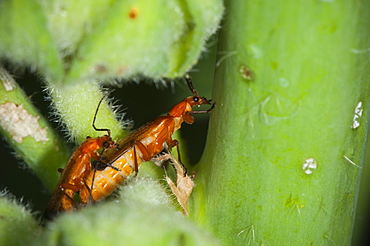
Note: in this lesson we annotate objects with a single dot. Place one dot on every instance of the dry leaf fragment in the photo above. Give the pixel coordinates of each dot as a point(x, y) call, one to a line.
point(184, 183)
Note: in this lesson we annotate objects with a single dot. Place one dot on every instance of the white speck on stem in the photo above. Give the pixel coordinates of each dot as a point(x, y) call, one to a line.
point(357, 115)
point(309, 165)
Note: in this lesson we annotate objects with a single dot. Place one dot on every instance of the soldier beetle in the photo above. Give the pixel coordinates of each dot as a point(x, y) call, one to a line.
point(78, 168)
point(141, 145)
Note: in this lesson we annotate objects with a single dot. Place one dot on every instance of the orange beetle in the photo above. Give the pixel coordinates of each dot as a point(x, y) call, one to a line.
point(78, 168)
point(140, 146)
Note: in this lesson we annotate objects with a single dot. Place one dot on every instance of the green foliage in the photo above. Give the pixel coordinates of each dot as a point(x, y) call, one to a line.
point(142, 215)
point(286, 143)
point(26, 40)
point(99, 40)
point(16, 220)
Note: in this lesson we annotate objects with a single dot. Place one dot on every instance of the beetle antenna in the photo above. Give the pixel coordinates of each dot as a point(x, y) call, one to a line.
point(96, 113)
point(190, 84)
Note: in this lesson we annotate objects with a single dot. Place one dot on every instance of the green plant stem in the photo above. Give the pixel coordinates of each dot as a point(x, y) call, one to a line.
point(309, 63)
point(76, 105)
point(29, 133)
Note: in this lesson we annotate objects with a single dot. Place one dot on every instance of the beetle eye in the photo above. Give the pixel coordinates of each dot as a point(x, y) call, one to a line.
point(196, 99)
point(106, 144)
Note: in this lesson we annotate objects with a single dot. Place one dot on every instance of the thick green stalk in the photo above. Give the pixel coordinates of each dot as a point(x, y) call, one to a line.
point(305, 103)
point(107, 40)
